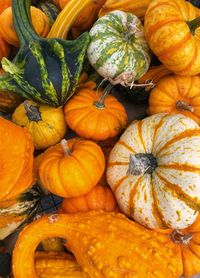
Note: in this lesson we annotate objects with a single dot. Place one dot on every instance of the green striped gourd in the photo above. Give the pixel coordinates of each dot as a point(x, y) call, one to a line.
point(50, 10)
point(45, 70)
point(16, 211)
point(118, 50)
point(154, 171)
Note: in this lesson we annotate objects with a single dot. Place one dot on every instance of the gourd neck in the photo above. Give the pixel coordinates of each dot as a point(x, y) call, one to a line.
point(100, 103)
point(194, 24)
point(182, 105)
point(22, 21)
point(65, 147)
point(180, 238)
point(32, 112)
point(142, 163)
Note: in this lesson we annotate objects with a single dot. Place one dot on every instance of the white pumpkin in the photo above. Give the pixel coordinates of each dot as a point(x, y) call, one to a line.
point(154, 171)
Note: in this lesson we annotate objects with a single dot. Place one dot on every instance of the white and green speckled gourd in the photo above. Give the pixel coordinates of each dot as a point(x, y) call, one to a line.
point(118, 50)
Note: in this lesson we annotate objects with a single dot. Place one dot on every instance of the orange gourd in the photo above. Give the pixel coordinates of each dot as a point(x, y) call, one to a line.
point(171, 30)
point(4, 49)
point(40, 23)
point(16, 164)
point(176, 94)
point(105, 244)
point(106, 116)
point(98, 198)
point(71, 168)
point(5, 4)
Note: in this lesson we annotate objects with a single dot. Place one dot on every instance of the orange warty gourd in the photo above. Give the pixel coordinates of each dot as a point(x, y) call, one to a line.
point(98, 198)
point(16, 164)
point(106, 115)
point(176, 94)
point(71, 168)
point(171, 29)
point(39, 20)
point(104, 245)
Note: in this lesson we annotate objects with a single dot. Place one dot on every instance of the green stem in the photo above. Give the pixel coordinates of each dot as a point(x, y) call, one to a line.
point(100, 102)
point(22, 21)
point(194, 24)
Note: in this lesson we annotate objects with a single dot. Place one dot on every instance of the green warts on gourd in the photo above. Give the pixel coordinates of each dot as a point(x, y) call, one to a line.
point(118, 50)
point(45, 70)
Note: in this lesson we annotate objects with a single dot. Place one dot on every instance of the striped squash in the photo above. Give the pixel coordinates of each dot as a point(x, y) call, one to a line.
point(118, 50)
point(154, 171)
point(16, 211)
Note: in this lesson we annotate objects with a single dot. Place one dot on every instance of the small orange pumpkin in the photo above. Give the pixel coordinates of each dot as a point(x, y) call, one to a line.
point(99, 198)
point(16, 163)
point(40, 22)
point(106, 116)
point(71, 168)
point(176, 94)
point(4, 49)
point(5, 4)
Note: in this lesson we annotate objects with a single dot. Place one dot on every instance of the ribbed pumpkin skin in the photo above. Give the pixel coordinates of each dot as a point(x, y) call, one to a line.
point(46, 124)
point(40, 23)
point(14, 212)
point(73, 174)
point(16, 164)
point(173, 90)
point(169, 196)
point(104, 245)
point(5, 4)
point(4, 49)
point(118, 47)
point(170, 38)
point(106, 120)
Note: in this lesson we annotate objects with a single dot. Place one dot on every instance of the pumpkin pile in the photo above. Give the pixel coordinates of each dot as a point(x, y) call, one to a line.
point(129, 185)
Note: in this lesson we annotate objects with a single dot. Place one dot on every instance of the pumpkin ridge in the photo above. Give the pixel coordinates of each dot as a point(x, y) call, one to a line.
point(191, 61)
point(132, 194)
point(139, 127)
point(75, 124)
point(122, 143)
point(180, 167)
point(158, 5)
point(157, 127)
point(183, 135)
point(181, 195)
point(117, 163)
point(116, 118)
point(119, 182)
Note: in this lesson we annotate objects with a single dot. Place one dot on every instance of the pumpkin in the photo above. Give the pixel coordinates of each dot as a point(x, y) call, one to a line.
point(136, 7)
point(98, 198)
point(71, 168)
point(4, 49)
point(118, 50)
point(8, 99)
point(153, 171)
point(46, 124)
point(40, 70)
point(14, 212)
point(39, 19)
point(176, 94)
point(171, 29)
point(105, 244)
point(5, 4)
point(16, 164)
point(88, 15)
point(56, 264)
point(106, 115)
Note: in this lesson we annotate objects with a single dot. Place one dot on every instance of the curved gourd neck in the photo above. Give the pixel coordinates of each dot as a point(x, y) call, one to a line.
point(22, 21)
point(194, 24)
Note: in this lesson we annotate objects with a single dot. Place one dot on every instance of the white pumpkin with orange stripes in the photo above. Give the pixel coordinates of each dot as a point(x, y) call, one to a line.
point(154, 171)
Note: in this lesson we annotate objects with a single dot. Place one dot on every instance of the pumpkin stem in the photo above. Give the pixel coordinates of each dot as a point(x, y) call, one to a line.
point(65, 147)
point(100, 103)
point(182, 105)
point(32, 112)
point(141, 163)
point(194, 24)
point(178, 237)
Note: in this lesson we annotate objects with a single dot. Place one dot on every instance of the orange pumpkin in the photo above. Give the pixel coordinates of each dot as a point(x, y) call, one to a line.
point(40, 22)
point(16, 163)
point(176, 94)
point(4, 49)
point(171, 30)
point(99, 198)
point(71, 168)
point(5, 4)
point(106, 116)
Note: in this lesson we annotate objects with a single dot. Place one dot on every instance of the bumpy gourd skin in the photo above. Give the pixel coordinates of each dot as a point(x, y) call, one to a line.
point(104, 244)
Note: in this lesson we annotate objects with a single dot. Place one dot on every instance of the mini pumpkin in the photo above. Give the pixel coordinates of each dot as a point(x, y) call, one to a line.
point(5, 4)
point(4, 49)
point(98, 198)
point(46, 124)
point(171, 29)
point(176, 94)
point(16, 163)
point(106, 116)
point(154, 171)
point(40, 23)
point(71, 168)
